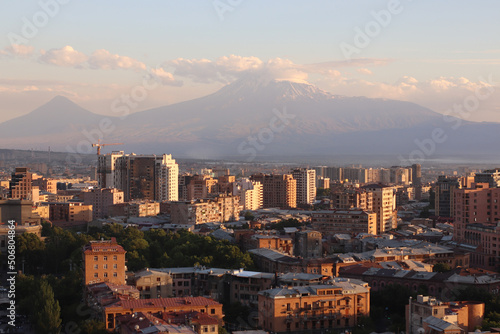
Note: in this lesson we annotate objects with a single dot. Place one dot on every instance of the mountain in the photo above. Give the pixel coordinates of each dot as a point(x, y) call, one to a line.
point(254, 118)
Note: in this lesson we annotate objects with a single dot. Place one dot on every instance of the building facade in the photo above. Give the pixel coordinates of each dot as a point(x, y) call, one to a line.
point(104, 261)
point(314, 308)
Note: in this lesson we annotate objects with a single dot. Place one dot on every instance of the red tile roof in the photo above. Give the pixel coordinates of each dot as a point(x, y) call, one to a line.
point(178, 302)
point(108, 246)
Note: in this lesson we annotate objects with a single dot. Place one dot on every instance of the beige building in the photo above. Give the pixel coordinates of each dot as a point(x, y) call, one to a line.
point(152, 283)
point(384, 205)
point(21, 185)
point(461, 316)
point(222, 208)
point(250, 193)
point(44, 184)
point(337, 306)
point(350, 222)
point(101, 200)
point(306, 185)
point(135, 209)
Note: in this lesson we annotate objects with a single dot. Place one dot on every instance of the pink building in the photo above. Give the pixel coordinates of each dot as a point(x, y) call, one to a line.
point(477, 215)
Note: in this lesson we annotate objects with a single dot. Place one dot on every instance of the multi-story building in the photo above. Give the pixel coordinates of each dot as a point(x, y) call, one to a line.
point(21, 185)
point(250, 193)
point(225, 184)
point(466, 315)
point(306, 185)
point(107, 177)
point(222, 208)
point(334, 306)
point(384, 205)
point(476, 218)
point(335, 174)
point(152, 283)
point(350, 222)
point(323, 182)
point(351, 197)
point(416, 176)
point(491, 176)
point(201, 186)
point(70, 212)
point(445, 192)
point(25, 220)
point(279, 191)
point(101, 200)
point(104, 261)
point(358, 175)
point(147, 177)
point(135, 209)
point(308, 244)
point(44, 184)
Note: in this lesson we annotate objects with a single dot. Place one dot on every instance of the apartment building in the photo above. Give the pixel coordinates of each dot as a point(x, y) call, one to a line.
point(104, 261)
point(335, 306)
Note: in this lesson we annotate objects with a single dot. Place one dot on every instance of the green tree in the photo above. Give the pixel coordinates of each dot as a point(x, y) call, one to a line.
point(47, 315)
point(441, 267)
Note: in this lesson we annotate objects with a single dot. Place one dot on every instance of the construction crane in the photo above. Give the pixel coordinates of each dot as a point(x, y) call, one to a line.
point(99, 146)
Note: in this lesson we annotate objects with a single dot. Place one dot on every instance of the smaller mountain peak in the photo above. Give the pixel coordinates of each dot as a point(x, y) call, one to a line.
point(60, 99)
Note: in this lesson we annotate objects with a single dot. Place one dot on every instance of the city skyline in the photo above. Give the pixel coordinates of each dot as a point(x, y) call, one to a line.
point(433, 54)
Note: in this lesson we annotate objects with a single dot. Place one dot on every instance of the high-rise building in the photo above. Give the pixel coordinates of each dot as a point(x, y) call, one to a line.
point(384, 205)
point(147, 177)
point(306, 185)
point(279, 191)
point(106, 166)
point(250, 192)
point(416, 177)
point(334, 173)
point(445, 192)
point(476, 217)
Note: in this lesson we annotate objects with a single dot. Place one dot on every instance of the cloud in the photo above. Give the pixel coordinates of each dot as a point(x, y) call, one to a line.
point(100, 59)
point(164, 77)
point(66, 57)
point(364, 71)
point(18, 50)
point(229, 68)
point(105, 60)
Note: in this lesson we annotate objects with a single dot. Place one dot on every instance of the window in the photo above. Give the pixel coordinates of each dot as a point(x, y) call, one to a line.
point(105, 258)
point(96, 275)
point(213, 329)
point(115, 266)
point(105, 274)
point(115, 274)
point(212, 311)
point(96, 266)
point(105, 266)
point(115, 258)
point(95, 258)
point(158, 279)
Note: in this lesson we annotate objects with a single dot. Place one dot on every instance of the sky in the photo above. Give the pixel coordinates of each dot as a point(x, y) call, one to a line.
point(438, 54)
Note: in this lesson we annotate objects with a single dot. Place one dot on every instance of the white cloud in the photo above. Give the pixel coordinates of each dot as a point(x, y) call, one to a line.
point(18, 50)
point(164, 77)
point(66, 57)
point(364, 71)
point(229, 68)
point(105, 60)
